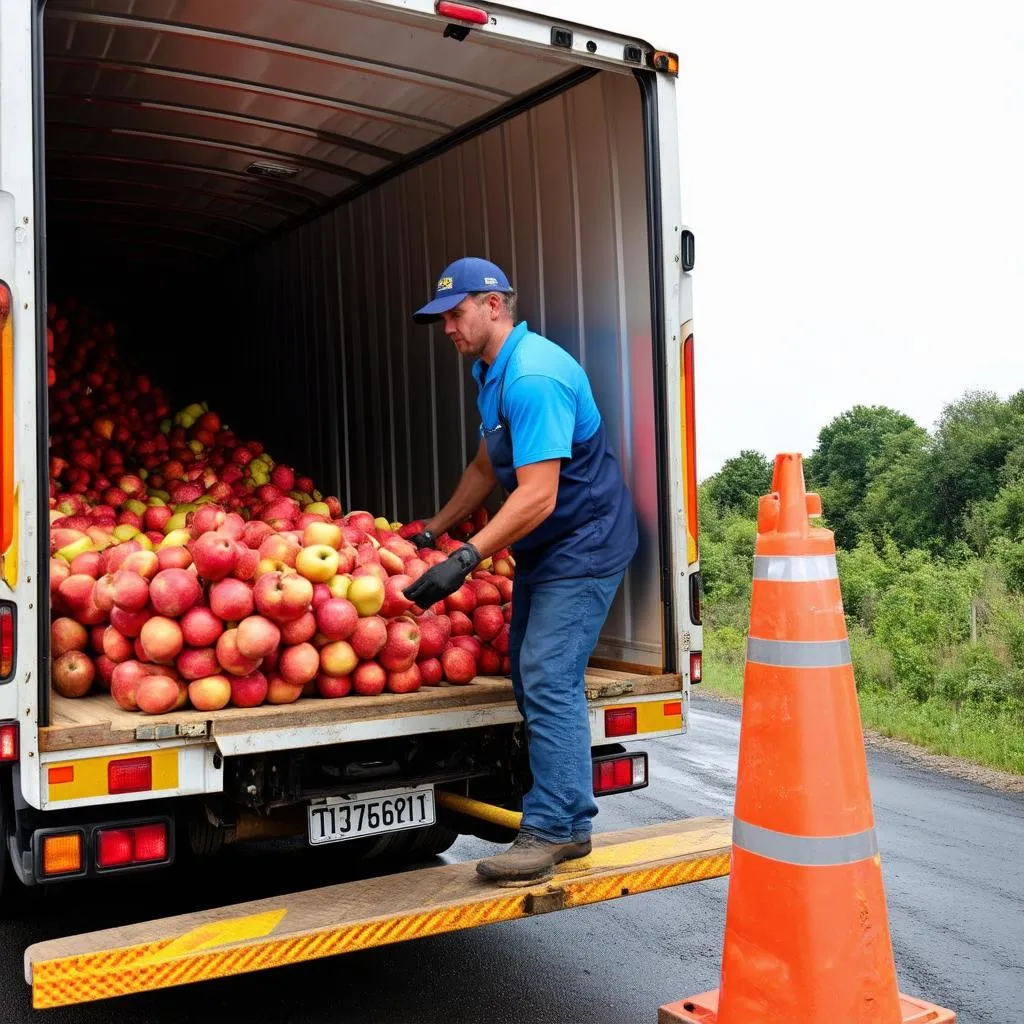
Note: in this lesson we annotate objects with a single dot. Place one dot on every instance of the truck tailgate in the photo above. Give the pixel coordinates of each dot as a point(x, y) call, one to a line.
point(96, 721)
point(359, 915)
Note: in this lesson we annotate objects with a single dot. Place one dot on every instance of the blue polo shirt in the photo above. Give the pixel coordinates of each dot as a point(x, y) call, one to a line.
point(547, 398)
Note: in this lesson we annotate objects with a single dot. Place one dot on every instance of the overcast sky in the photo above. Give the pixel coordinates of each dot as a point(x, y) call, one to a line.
point(854, 176)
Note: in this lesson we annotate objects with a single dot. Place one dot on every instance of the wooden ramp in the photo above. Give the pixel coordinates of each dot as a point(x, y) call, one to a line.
point(360, 915)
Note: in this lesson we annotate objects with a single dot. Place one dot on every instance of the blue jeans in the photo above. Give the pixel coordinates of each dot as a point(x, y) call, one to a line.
point(555, 626)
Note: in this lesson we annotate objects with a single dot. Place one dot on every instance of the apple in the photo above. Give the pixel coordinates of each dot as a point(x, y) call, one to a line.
point(117, 556)
point(488, 620)
point(486, 592)
point(210, 693)
point(197, 662)
point(317, 563)
point(283, 597)
point(257, 636)
point(369, 679)
point(177, 538)
point(200, 627)
point(72, 674)
point(500, 642)
point(233, 527)
point(369, 636)
point(255, 533)
point(161, 639)
point(504, 585)
point(433, 637)
point(129, 590)
point(338, 659)
point(215, 556)
point(173, 591)
point(67, 635)
point(280, 549)
point(391, 563)
point(367, 594)
point(96, 638)
point(504, 567)
point(333, 686)
point(105, 671)
point(461, 624)
point(88, 562)
point(458, 665)
point(248, 691)
point(280, 691)
point(321, 533)
point(337, 618)
point(123, 682)
point(402, 645)
point(467, 643)
point(395, 601)
point(299, 664)
point(145, 563)
point(116, 646)
point(155, 517)
point(130, 623)
point(489, 662)
point(231, 658)
point(231, 600)
point(248, 562)
point(338, 585)
point(156, 695)
point(463, 600)
point(59, 571)
point(431, 672)
point(415, 568)
point(299, 630)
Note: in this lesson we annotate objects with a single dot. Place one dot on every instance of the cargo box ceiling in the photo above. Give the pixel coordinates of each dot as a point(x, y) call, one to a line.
point(190, 128)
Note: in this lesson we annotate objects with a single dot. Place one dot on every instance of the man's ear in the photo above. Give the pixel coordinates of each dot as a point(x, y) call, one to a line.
point(494, 301)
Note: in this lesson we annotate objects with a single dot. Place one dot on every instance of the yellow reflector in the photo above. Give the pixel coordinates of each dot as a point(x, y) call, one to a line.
point(62, 855)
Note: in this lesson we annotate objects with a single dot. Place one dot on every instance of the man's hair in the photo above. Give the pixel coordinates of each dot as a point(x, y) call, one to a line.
point(508, 301)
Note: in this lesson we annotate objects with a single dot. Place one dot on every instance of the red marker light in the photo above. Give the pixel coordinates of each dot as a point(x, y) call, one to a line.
point(461, 12)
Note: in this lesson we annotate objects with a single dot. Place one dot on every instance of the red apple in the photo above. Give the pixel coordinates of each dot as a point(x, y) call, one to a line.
point(197, 662)
point(486, 592)
point(156, 695)
point(105, 671)
point(299, 630)
point(67, 635)
point(116, 646)
point(210, 693)
point(257, 636)
point(248, 691)
point(215, 556)
point(72, 674)
point(145, 563)
point(123, 682)
point(161, 639)
point(280, 691)
point(231, 658)
point(173, 558)
point(487, 621)
point(255, 533)
point(173, 591)
point(467, 643)
point(231, 599)
point(458, 665)
point(402, 646)
point(500, 642)
point(333, 686)
point(299, 664)
point(130, 623)
point(489, 662)
point(130, 591)
point(405, 681)
point(369, 636)
point(88, 563)
point(395, 602)
point(461, 624)
point(431, 672)
point(248, 561)
point(337, 618)
point(283, 597)
point(369, 679)
point(463, 600)
point(200, 627)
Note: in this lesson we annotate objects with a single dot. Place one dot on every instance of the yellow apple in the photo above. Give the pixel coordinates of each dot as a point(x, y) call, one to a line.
point(318, 562)
point(322, 533)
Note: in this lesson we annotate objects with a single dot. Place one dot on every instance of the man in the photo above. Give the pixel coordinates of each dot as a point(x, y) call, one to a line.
point(571, 524)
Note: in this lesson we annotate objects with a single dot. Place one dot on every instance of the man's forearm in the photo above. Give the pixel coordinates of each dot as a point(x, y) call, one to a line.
point(522, 513)
point(473, 489)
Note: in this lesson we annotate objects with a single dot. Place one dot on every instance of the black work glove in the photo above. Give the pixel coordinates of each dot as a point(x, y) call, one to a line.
point(444, 579)
point(423, 539)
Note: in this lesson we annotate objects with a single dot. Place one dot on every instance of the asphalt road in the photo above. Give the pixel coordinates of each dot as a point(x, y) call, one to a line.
point(953, 856)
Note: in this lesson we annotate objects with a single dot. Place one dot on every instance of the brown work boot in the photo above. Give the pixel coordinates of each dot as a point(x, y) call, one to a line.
point(530, 858)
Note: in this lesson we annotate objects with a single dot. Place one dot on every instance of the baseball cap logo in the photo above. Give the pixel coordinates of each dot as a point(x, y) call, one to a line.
point(445, 284)
point(490, 280)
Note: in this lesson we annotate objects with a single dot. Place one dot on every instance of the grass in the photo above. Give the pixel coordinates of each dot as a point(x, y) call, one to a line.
point(986, 734)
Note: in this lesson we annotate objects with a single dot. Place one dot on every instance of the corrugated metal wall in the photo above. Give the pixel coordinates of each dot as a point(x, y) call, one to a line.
point(383, 411)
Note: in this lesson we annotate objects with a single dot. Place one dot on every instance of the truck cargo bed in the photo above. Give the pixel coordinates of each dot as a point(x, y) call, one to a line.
point(97, 721)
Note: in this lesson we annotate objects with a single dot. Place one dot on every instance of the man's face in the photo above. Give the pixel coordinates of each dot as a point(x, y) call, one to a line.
point(469, 325)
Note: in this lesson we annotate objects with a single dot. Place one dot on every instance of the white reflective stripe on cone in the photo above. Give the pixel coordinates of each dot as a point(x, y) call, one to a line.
point(806, 851)
point(795, 568)
point(799, 653)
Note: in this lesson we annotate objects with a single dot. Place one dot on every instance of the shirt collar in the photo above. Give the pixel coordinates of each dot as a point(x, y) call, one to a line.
point(480, 369)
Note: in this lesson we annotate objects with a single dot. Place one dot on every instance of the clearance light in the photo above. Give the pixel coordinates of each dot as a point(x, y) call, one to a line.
point(620, 721)
point(130, 775)
point(62, 853)
point(8, 741)
point(461, 12)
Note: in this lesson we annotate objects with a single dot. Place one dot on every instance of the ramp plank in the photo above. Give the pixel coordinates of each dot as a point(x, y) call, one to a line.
point(359, 915)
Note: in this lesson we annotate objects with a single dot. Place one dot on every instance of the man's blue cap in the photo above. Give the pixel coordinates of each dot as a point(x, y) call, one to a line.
point(459, 279)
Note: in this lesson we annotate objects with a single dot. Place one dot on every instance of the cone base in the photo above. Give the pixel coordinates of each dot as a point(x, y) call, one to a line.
point(703, 1009)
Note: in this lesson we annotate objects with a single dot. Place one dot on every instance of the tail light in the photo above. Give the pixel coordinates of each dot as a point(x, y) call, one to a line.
point(688, 400)
point(696, 666)
point(123, 847)
point(130, 775)
point(7, 511)
point(619, 722)
point(461, 12)
point(619, 773)
point(6, 642)
point(8, 741)
point(63, 853)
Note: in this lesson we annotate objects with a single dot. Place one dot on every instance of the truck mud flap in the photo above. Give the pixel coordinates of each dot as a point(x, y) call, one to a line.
point(362, 914)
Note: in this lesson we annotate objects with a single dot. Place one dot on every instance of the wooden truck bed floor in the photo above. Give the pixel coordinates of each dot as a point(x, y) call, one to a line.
point(97, 721)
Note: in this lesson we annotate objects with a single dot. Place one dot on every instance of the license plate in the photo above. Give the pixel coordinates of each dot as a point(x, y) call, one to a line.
point(337, 818)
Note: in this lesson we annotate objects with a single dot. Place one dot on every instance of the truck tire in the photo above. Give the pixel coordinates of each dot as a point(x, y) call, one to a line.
point(14, 897)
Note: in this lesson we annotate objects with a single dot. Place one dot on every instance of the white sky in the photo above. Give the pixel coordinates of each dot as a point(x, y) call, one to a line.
point(854, 176)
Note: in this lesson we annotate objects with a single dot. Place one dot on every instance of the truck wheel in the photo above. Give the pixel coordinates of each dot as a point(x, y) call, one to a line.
point(13, 895)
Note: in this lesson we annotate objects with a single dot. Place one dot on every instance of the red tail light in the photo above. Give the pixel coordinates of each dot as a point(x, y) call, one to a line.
point(619, 773)
point(696, 666)
point(6, 642)
point(620, 721)
point(139, 844)
point(8, 741)
point(130, 775)
point(461, 12)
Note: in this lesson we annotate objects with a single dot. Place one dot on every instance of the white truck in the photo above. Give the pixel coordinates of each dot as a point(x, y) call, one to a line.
point(259, 192)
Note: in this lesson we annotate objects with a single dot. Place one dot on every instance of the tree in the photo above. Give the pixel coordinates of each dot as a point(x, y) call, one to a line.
point(848, 454)
point(740, 482)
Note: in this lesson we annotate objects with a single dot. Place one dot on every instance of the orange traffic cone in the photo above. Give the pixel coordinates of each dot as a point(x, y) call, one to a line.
point(806, 929)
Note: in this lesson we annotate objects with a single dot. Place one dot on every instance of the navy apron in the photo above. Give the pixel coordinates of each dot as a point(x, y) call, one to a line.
point(592, 530)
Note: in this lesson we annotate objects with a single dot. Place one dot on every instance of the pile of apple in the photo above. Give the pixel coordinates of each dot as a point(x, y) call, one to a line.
point(186, 566)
